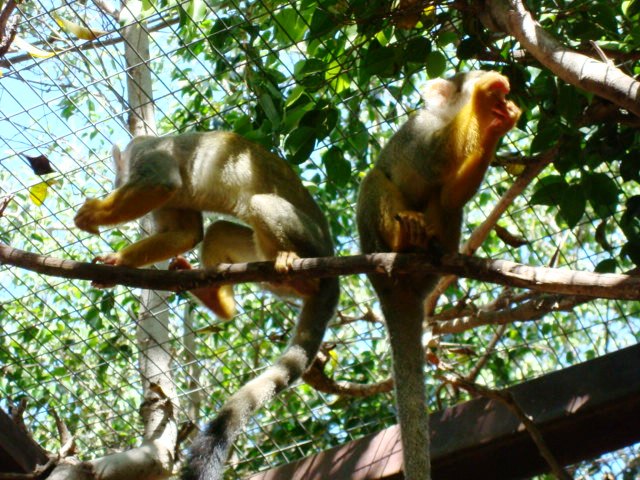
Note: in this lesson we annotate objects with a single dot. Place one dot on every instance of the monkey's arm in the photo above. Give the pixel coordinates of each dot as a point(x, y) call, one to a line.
point(122, 205)
point(178, 231)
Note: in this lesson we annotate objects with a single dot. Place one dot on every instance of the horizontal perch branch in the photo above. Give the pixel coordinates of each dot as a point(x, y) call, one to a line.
point(551, 280)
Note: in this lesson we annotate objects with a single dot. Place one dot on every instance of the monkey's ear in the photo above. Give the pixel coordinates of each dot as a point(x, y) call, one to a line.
point(119, 165)
point(437, 93)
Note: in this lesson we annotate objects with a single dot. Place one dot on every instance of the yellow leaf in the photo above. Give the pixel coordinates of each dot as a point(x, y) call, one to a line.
point(38, 193)
point(30, 49)
point(79, 31)
point(430, 10)
point(333, 355)
point(515, 168)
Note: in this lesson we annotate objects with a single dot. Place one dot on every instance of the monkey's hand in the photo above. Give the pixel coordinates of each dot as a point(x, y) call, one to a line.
point(107, 259)
point(413, 232)
point(88, 217)
point(302, 287)
point(506, 115)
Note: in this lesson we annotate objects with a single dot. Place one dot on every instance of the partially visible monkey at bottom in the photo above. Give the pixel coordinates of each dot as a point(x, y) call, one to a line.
point(412, 201)
point(176, 178)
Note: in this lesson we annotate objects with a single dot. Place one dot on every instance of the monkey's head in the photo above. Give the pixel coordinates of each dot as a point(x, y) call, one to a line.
point(487, 89)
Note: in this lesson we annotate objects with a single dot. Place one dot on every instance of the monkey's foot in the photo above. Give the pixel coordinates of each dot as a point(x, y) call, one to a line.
point(88, 216)
point(413, 232)
point(180, 263)
point(284, 261)
point(302, 287)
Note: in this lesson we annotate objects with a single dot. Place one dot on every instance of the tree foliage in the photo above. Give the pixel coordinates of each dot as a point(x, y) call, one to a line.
point(324, 83)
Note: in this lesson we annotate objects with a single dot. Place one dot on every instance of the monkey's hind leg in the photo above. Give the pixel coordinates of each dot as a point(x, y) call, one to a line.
point(284, 233)
point(224, 242)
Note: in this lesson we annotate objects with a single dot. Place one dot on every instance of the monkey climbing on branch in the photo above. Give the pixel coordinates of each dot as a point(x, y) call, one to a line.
point(176, 178)
point(412, 201)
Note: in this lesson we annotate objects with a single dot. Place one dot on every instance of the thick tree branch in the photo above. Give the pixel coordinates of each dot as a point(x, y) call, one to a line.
point(8, 26)
point(503, 272)
point(600, 78)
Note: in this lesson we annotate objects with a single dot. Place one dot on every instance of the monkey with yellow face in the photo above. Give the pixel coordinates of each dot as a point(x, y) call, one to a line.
point(412, 201)
point(176, 178)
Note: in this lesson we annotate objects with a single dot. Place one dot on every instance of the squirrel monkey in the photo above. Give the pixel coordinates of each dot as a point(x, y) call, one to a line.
point(412, 201)
point(176, 178)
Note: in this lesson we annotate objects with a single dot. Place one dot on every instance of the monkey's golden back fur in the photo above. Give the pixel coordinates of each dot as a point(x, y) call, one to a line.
point(209, 159)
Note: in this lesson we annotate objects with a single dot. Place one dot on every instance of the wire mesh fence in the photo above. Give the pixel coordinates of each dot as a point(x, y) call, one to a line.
point(251, 67)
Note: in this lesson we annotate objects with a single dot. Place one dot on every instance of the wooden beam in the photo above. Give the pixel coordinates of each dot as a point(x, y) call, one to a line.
point(582, 411)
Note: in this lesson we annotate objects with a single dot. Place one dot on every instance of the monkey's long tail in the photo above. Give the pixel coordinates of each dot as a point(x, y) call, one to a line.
point(210, 449)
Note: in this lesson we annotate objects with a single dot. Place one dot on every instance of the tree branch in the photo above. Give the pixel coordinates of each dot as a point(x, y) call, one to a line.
point(533, 309)
point(316, 377)
point(8, 26)
point(600, 78)
point(503, 272)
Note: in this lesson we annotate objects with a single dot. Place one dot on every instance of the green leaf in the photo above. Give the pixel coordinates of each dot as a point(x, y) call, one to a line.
point(631, 8)
point(93, 318)
point(417, 50)
point(321, 23)
point(469, 48)
point(572, 205)
point(630, 166)
point(338, 81)
point(338, 169)
point(632, 250)
point(295, 94)
point(606, 266)
point(197, 10)
point(604, 15)
point(549, 190)
point(447, 37)
point(546, 136)
point(270, 110)
point(630, 220)
point(602, 193)
point(359, 139)
point(570, 103)
point(379, 60)
point(310, 73)
point(322, 121)
point(436, 64)
point(290, 25)
point(300, 143)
